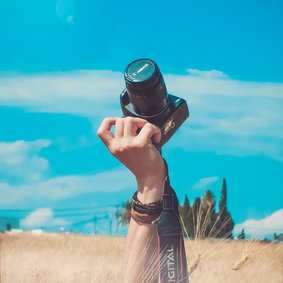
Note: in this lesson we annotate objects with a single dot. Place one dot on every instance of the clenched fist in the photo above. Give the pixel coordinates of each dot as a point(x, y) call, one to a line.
point(131, 144)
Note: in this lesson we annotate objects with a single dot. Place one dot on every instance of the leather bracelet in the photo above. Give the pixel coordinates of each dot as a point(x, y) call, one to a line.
point(144, 209)
point(155, 203)
point(148, 208)
point(145, 213)
point(143, 218)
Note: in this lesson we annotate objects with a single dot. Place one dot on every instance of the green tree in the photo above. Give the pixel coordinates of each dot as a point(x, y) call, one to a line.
point(225, 223)
point(228, 228)
point(195, 218)
point(223, 199)
point(186, 214)
point(125, 214)
point(208, 214)
point(200, 220)
point(242, 235)
point(118, 215)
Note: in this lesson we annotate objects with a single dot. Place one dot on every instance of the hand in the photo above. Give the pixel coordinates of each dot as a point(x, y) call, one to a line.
point(135, 150)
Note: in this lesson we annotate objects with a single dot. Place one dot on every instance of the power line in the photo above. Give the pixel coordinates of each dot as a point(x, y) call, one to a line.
point(62, 209)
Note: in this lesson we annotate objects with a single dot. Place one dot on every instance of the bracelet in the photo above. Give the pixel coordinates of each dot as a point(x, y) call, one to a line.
point(148, 208)
point(145, 213)
point(143, 218)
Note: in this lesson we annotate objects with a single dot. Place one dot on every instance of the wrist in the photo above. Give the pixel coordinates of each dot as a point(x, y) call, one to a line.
point(151, 185)
point(150, 190)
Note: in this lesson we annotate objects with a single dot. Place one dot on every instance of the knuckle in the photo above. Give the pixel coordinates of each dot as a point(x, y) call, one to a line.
point(138, 144)
point(149, 126)
point(99, 132)
point(154, 128)
point(105, 120)
point(122, 147)
point(113, 150)
point(129, 119)
point(127, 146)
point(116, 149)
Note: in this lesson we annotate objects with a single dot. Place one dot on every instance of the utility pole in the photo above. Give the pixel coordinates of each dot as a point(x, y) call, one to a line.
point(110, 226)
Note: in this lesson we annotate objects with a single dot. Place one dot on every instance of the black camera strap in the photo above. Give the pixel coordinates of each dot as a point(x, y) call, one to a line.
point(171, 248)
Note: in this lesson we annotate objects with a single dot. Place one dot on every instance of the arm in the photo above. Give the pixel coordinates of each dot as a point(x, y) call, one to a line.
point(135, 150)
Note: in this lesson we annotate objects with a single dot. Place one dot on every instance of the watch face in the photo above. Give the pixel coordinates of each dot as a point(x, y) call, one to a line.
point(141, 70)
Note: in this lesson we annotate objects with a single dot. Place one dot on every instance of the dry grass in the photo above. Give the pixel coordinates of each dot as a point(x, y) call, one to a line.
point(60, 258)
point(224, 260)
point(70, 258)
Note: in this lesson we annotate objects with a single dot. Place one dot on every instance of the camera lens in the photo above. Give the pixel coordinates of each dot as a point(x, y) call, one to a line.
point(146, 88)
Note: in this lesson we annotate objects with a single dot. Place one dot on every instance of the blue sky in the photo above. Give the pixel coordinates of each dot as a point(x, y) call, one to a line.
point(61, 65)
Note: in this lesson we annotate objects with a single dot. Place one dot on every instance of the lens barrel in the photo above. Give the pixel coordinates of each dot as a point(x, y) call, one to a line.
point(146, 88)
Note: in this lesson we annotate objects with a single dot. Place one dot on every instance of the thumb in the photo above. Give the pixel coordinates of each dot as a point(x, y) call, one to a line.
point(148, 133)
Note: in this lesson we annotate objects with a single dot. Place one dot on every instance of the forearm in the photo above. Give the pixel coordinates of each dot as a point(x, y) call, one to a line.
point(132, 144)
point(141, 252)
point(141, 255)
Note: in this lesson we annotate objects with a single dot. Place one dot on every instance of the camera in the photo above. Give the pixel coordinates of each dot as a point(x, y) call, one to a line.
point(145, 96)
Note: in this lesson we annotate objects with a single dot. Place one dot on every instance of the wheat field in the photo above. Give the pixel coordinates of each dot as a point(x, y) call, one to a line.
point(58, 258)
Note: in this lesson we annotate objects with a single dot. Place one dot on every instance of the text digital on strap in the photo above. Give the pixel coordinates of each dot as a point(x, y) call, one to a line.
point(171, 248)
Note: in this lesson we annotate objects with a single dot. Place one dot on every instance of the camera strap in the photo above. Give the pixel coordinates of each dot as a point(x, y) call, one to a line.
point(171, 248)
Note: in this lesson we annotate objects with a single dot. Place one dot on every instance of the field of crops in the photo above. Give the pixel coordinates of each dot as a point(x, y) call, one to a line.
point(61, 258)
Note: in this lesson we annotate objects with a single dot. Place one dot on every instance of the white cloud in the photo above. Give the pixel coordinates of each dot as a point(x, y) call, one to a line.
point(205, 182)
point(43, 217)
point(208, 84)
point(207, 74)
point(226, 116)
point(24, 179)
point(86, 93)
point(230, 117)
point(267, 226)
point(64, 187)
point(20, 160)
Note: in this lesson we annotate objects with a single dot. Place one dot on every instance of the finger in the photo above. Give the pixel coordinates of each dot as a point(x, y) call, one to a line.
point(131, 125)
point(104, 130)
point(119, 128)
point(148, 133)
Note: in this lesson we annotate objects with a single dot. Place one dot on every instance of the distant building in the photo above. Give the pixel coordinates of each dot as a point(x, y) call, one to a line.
point(8, 223)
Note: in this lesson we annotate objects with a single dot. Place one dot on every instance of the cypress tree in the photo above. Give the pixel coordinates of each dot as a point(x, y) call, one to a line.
point(225, 223)
point(223, 200)
point(196, 214)
point(188, 218)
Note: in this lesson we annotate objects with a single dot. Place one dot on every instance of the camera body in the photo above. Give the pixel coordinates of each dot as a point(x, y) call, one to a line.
point(145, 96)
point(168, 121)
